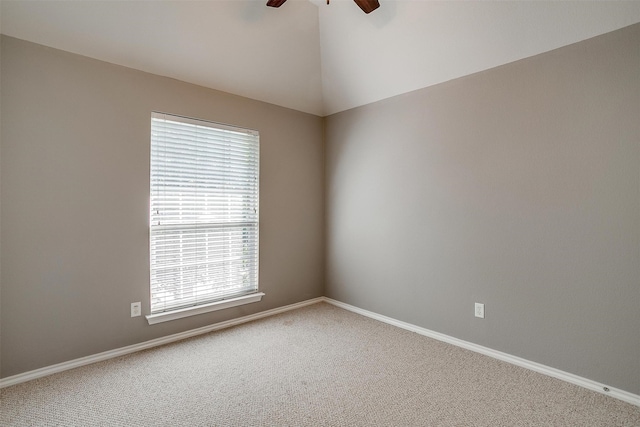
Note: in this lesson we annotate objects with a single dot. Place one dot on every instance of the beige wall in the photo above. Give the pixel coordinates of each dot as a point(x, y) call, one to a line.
point(0, 201)
point(75, 192)
point(519, 188)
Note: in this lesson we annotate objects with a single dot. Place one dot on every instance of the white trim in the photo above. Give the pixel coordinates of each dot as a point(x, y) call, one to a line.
point(205, 308)
point(76, 363)
point(634, 399)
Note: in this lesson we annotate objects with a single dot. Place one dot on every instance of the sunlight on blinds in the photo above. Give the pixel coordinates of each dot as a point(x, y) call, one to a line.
point(204, 212)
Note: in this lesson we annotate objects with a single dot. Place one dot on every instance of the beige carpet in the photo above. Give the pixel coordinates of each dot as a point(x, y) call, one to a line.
point(316, 366)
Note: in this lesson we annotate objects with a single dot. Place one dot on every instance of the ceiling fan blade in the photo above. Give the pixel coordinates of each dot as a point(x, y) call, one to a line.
point(368, 6)
point(275, 3)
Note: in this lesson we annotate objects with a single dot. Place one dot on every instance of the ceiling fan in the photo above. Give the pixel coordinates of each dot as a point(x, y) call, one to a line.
point(367, 6)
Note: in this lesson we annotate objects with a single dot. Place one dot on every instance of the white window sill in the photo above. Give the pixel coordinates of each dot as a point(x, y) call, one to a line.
point(200, 309)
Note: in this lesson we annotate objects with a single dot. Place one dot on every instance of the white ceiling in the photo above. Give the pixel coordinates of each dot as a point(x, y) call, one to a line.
point(309, 56)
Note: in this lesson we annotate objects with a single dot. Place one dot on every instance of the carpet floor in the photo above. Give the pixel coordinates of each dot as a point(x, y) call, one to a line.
point(315, 366)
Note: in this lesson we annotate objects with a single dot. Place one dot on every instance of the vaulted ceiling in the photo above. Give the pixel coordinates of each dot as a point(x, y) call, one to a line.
point(307, 55)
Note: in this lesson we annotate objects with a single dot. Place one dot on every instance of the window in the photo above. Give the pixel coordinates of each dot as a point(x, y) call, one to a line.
point(203, 236)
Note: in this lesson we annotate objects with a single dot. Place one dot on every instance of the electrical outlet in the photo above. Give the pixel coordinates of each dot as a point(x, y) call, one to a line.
point(136, 309)
point(480, 310)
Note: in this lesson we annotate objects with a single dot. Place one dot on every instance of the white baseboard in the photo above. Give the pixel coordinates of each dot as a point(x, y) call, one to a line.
point(76, 363)
point(634, 399)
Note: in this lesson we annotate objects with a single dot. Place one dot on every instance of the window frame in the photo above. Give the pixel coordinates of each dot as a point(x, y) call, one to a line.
point(253, 293)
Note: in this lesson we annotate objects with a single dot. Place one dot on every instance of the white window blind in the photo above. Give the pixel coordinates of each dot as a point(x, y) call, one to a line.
point(204, 212)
